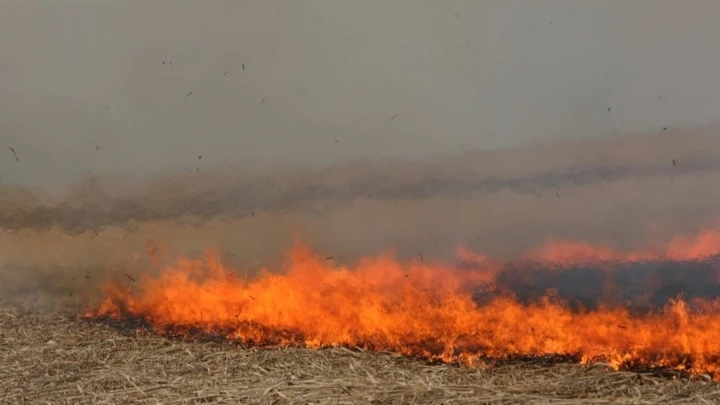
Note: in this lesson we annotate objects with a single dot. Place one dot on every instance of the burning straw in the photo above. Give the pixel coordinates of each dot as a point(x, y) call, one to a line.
point(425, 310)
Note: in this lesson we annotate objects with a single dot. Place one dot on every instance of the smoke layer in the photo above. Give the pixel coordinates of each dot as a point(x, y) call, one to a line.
point(93, 204)
point(628, 191)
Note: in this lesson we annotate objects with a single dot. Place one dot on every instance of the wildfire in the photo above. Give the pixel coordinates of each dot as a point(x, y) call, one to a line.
point(428, 310)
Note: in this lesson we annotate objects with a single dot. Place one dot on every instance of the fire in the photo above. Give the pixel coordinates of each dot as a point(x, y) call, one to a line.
point(427, 310)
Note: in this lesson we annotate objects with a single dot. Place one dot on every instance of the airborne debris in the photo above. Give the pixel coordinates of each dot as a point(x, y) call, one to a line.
point(422, 259)
point(394, 116)
point(130, 277)
point(328, 257)
point(189, 94)
point(674, 162)
point(15, 154)
point(226, 72)
point(243, 66)
point(557, 193)
point(264, 99)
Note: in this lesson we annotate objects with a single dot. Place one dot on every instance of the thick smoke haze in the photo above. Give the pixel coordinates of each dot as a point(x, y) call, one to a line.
point(626, 192)
point(457, 75)
point(98, 202)
point(410, 126)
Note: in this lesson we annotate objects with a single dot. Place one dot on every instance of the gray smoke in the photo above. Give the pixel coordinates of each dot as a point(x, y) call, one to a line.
point(92, 206)
point(368, 126)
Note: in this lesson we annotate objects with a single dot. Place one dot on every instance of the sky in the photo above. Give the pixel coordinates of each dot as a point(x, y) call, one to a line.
point(139, 88)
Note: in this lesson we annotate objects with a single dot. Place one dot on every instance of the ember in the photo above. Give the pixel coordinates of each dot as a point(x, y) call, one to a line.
point(432, 311)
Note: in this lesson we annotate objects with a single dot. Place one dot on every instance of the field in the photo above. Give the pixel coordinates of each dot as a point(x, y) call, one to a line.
point(60, 359)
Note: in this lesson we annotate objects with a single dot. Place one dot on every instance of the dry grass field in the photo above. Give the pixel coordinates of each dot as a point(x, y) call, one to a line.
point(60, 359)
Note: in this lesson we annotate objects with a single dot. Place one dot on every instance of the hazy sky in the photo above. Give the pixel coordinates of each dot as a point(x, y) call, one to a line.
point(323, 79)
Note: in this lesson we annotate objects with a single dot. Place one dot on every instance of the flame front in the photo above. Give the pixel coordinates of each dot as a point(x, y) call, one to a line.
point(424, 310)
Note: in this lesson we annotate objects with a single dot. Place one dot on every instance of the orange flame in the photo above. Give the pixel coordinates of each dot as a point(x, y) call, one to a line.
point(425, 310)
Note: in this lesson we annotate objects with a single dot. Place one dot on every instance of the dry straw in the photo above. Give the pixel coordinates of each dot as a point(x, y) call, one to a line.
point(56, 359)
